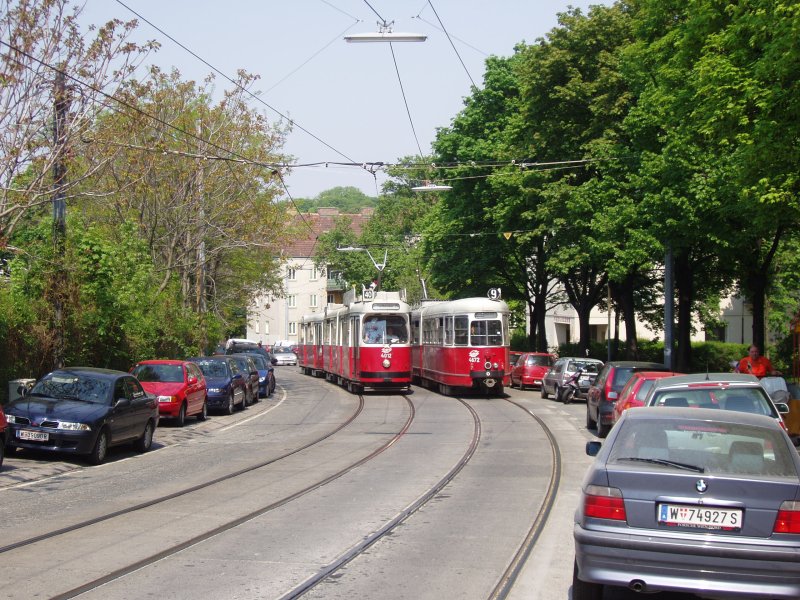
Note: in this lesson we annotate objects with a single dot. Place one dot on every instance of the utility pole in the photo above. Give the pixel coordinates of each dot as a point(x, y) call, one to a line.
point(59, 280)
point(669, 298)
point(201, 249)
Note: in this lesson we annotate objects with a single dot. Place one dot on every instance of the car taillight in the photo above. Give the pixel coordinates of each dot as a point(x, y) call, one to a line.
point(788, 519)
point(603, 503)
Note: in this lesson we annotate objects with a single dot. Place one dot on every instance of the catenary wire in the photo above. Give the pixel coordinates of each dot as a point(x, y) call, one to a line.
point(405, 99)
point(452, 44)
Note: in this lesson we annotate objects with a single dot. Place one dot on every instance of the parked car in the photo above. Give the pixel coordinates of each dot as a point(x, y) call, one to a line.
point(225, 383)
point(3, 435)
point(530, 368)
point(605, 390)
point(266, 374)
point(178, 385)
point(85, 411)
point(564, 368)
point(284, 356)
point(238, 346)
point(690, 500)
point(635, 391)
point(248, 366)
point(727, 391)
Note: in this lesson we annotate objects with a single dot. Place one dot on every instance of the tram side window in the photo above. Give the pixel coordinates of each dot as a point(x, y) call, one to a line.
point(432, 331)
point(415, 332)
point(448, 331)
point(345, 333)
point(486, 333)
point(461, 327)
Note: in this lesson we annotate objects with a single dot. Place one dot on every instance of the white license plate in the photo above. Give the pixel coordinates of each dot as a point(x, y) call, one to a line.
point(703, 517)
point(38, 436)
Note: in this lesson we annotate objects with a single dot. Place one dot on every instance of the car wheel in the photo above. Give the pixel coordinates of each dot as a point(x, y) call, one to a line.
point(568, 396)
point(203, 414)
point(543, 392)
point(229, 409)
point(180, 420)
point(271, 385)
point(100, 450)
point(583, 590)
point(602, 428)
point(590, 423)
point(144, 443)
point(243, 403)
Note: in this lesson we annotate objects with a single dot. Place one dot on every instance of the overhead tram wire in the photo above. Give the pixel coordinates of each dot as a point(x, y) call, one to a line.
point(274, 168)
point(254, 96)
point(452, 44)
point(405, 101)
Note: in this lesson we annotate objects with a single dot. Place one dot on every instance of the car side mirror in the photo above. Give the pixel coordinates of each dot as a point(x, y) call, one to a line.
point(783, 407)
point(274, 361)
point(192, 379)
point(593, 447)
point(121, 402)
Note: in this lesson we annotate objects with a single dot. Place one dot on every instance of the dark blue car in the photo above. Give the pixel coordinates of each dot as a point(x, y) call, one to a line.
point(83, 410)
point(225, 382)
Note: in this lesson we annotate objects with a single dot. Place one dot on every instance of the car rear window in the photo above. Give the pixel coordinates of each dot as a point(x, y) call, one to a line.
point(718, 448)
point(539, 361)
point(159, 373)
point(621, 376)
point(751, 400)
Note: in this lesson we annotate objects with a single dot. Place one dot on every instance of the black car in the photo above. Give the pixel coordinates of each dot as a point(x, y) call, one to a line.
point(606, 388)
point(248, 367)
point(83, 410)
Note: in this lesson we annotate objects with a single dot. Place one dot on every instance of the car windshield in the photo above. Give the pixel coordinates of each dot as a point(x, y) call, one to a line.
point(586, 367)
point(751, 399)
point(702, 446)
point(160, 373)
point(74, 386)
point(261, 363)
point(213, 368)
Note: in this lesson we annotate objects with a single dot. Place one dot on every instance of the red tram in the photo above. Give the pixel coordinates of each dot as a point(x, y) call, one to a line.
point(363, 343)
point(461, 344)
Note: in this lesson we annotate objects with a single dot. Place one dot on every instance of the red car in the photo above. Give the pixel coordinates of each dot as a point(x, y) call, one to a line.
point(635, 391)
point(530, 368)
point(179, 386)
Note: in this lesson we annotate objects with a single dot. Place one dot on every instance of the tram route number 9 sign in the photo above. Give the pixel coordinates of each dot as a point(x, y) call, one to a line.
point(494, 294)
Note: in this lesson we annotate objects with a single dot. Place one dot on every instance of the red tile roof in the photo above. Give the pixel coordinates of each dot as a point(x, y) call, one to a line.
point(312, 225)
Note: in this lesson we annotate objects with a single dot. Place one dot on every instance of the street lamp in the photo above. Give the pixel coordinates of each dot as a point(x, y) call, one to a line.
point(432, 187)
point(379, 267)
point(385, 34)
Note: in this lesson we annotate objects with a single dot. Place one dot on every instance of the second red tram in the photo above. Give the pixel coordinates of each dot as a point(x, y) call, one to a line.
point(461, 344)
point(363, 343)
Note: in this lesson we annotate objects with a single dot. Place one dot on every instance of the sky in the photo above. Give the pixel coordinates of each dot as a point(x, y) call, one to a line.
point(349, 102)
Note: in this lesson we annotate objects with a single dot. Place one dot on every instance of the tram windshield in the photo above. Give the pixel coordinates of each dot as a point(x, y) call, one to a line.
point(385, 329)
point(486, 333)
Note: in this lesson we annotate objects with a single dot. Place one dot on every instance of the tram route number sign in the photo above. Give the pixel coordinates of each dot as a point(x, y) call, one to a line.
point(494, 293)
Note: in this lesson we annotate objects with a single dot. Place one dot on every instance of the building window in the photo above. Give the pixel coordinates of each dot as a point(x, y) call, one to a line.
point(291, 274)
point(314, 274)
point(291, 301)
point(258, 327)
point(313, 301)
point(292, 328)
point(331, 299)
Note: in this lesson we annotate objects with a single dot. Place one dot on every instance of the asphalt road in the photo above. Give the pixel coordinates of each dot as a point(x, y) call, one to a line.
point(454, 545)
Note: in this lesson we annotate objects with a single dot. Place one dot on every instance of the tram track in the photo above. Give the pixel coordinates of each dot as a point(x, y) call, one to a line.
point(227, 525)
point(510, 575)
point(183, 492)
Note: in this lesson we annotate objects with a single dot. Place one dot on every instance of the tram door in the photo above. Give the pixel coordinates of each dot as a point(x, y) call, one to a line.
point(356, 339)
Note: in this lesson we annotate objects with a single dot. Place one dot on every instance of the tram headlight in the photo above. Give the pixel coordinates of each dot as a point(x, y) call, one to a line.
point(496, 366)
point(386, 363)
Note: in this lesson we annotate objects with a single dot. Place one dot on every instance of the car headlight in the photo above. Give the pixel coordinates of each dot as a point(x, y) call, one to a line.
point(262, 379)
point(11, 418)
point(167, 398)
point(67, 426)
point(215, 390)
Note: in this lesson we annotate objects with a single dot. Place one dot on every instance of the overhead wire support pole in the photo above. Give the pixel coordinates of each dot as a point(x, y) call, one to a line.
point(60, 107)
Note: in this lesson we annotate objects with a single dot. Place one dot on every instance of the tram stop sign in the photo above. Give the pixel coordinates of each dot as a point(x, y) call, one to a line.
point(494, 294)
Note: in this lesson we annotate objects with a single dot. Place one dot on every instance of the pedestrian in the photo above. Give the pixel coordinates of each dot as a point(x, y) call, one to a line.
point(755, 364)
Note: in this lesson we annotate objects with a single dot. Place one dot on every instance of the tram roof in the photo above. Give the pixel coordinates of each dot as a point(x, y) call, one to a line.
point(462, 306)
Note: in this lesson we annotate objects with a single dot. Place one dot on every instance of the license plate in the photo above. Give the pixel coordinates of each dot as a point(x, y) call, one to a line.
point(701, 517)
point(38, 436)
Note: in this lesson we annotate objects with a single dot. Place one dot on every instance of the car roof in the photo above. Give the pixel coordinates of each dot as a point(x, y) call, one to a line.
point(694, 378)
point(95, 371)
point(217, 357)
point(161, 361)
point(637, 363)
point(667, 413)
point(582, 358)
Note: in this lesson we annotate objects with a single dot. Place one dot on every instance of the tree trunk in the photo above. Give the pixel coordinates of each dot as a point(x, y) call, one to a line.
point(684, 284)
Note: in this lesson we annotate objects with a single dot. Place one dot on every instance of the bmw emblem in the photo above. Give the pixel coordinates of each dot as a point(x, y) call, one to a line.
point(701, 485)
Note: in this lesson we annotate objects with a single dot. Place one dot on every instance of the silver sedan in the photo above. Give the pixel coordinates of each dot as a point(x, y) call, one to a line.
point(690, 500)
point(284, 357)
